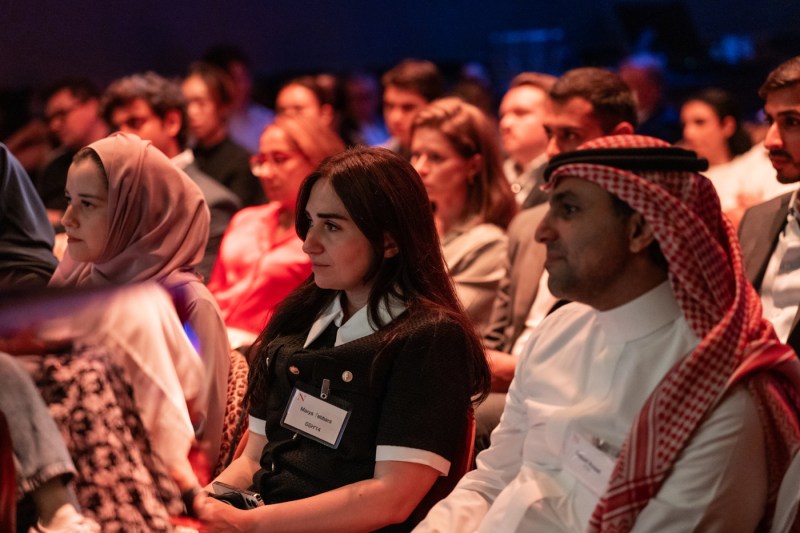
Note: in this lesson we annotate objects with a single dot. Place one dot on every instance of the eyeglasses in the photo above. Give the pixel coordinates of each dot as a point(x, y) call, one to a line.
point(61, 114)
point(258, 162)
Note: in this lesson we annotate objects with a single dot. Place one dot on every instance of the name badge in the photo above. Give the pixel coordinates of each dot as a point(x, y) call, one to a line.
point(586, 462)
point(316, 415)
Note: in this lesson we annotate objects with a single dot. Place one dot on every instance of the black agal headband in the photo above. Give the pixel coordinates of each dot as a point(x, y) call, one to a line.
point(663, 159)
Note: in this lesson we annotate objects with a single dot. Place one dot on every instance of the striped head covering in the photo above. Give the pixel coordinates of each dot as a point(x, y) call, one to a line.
point(707, 277)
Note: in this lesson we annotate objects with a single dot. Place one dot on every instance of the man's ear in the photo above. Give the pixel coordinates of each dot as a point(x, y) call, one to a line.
point(640, 233)
point(172, 122)
point(623, 128)
point(390, 248)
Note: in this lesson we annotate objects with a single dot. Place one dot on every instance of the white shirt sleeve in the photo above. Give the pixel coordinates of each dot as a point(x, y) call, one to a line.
point(719, 483)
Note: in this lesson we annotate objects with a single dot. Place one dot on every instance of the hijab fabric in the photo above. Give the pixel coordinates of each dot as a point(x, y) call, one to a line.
point(158, 219)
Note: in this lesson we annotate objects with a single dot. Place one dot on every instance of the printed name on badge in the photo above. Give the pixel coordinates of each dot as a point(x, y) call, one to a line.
point(315, 417)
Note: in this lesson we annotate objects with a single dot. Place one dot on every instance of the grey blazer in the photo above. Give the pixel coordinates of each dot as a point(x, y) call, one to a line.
point(758, 233)
point(517, 290)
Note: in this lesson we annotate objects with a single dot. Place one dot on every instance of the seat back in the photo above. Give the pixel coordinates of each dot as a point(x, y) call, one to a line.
point(461, 464)
point(8, 479)
point(234, 425)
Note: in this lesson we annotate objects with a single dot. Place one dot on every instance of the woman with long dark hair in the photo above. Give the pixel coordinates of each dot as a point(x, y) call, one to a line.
point(375, 346)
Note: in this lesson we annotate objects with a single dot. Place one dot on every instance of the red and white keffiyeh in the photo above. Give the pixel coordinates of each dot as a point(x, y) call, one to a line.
point(723, 309)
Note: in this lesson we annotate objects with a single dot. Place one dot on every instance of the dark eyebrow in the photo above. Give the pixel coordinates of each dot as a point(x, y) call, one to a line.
point(561, 196)
point(335, 216)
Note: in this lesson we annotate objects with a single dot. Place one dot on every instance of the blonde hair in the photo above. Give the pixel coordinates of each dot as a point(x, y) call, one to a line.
point(313, 138)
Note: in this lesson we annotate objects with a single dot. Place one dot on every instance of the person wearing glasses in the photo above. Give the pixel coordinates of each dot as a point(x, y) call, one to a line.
point(72, 116)
point(261, 259)
point(153, 108)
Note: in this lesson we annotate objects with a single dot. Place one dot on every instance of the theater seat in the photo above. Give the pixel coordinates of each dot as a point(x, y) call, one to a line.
point(461, 464)
point(8, 480)
point(234, 426)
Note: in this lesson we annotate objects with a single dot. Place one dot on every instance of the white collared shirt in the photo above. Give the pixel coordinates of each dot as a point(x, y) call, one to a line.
point(357, 326)
point(780, 289)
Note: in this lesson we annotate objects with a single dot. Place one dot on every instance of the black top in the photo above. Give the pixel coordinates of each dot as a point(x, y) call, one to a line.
point(229, 164)
point(408, 388)
point(52, 182)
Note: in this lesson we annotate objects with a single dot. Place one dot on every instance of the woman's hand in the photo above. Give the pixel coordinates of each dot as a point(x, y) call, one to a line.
point(218, 516)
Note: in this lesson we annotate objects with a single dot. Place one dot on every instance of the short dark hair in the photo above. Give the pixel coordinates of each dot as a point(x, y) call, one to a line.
point(541, 81)
point(786, 75)
point(82, 89)
point(312, 83)
point(218, 81)
point(611, 98)
point(161, 94)
point(422, 77)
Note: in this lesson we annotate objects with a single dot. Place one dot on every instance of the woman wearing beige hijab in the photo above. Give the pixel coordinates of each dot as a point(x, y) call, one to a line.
point(134, 216)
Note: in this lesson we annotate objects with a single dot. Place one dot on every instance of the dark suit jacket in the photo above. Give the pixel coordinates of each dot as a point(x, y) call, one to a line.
point(758, 233)
point(222, 204)
point(517, 290)
point(536, 196)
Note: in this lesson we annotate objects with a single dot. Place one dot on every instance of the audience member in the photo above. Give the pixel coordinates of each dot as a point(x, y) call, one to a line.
point(586, 103)
point(522, 133)
point(653, 401)
point(209, 95)
point(363, 97)
point(379, 328)
point(261, 259)
point(333, 92)
point(26, 237)
point(43, 465)
point(454, 149)
point(153, 108)
point(407, 88)
point(741, 173)
point(247, 119)
point(135, 216)
point(73, 115)
point(644, 74)
point(769, 232)
point(305, 97)
point(475, 87)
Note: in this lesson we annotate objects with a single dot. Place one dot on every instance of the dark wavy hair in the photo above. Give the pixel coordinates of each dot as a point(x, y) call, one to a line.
point(724, 105)
point(384, 196)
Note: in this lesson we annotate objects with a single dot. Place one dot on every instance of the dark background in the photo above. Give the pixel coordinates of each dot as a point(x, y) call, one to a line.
point(729, 42)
